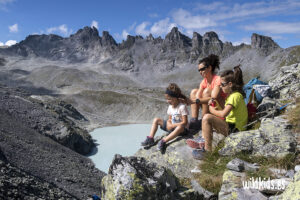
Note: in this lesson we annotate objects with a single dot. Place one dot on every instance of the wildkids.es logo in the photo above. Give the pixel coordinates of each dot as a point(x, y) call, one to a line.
point(261, 184)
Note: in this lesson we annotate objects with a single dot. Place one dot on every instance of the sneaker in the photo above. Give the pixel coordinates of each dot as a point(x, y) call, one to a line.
point(194, 143)
point(199, 154)
point(148, 142)
point(195, 124)
point(161, 146)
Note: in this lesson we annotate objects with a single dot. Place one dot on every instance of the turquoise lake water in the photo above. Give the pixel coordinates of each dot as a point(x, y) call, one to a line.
point(124, 140)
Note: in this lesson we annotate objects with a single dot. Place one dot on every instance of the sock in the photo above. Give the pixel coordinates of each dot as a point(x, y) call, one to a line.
point(149, 137)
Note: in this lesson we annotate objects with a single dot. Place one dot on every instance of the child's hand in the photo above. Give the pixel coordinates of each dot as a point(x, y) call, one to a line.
point(212, 109)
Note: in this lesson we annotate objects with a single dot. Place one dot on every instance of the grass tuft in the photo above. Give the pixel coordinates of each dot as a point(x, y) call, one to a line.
point(293, 116)
point(214, 165)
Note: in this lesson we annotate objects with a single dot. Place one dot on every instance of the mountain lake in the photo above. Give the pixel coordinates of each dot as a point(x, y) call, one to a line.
point(124, 140)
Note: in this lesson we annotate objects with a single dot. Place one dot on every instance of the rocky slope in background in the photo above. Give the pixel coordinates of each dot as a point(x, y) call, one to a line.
point(38, 143)
point(85, 66)
point(56, 121)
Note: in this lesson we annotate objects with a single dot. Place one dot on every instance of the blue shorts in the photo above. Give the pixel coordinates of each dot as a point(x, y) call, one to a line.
point(164, 128)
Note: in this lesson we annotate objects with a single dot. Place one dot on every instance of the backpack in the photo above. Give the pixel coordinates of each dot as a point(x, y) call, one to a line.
point(255, 91)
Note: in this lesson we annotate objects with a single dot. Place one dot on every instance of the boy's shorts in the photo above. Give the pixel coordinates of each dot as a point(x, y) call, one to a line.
point(164, 128)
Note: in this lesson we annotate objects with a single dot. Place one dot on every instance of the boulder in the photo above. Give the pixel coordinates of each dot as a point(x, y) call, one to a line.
point(280, 141)
point(246, 141)
point(232, 187)
point(293, 189)
point(239, 165)
point(286, 84)
point(136, 178)
point(273, 139)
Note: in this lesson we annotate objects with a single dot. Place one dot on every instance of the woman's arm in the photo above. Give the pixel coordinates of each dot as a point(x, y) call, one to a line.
point(221, 113)
point(215, 92)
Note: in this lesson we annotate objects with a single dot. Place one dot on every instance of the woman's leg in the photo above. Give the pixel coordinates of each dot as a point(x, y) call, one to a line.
point(209, 122)
point(155, 123)
point(194, 107)
point(206, 93)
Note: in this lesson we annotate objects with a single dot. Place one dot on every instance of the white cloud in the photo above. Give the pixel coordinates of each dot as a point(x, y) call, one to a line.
point(153, 15)
point(274, 27)
point(124, 34)
point(210, 7)
point(141, 29)
point(6, 1)
point(162, 27)
point(243, 40)
point(94, 24)
point(13, 28)
point(10, 42)
point(188, 21)
point(62, 29)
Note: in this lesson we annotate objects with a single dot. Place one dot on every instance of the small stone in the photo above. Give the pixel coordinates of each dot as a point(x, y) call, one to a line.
point(236, 165)
point(297, 168)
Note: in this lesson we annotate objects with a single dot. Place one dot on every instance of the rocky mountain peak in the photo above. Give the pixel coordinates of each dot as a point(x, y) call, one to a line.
point(107, 39)
point(211, 36)
point(86, 34)
point(197, 42)
point(212, 44)
point(150, 37)
point(264, 43)
point(177, 39)
point(129, 42)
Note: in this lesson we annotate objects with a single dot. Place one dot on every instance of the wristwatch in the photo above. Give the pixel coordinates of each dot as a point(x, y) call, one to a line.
point(197, 101)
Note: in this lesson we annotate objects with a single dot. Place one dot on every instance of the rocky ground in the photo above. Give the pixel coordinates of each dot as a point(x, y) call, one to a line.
point(38, 147)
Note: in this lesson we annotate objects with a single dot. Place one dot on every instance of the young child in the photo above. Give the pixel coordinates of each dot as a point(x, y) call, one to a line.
point(177, 121)
point(235, 111)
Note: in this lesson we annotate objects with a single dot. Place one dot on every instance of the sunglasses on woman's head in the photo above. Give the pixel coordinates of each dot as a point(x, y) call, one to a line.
point(202, 69)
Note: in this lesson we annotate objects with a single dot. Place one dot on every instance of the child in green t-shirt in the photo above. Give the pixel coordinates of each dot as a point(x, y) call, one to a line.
point(235, 111)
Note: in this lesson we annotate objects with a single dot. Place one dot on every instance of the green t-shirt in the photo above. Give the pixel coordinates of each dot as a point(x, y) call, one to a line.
point(239, 113)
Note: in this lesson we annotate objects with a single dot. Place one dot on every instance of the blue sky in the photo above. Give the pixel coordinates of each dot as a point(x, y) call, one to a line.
point(233, 21)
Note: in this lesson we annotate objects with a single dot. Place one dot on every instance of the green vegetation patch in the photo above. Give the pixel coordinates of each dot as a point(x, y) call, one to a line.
point(214, 166)
point(293, 116)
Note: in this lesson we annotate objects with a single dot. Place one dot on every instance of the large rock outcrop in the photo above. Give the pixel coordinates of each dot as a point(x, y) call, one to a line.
point(54, 121)
point(136, 178)
point(263, 43)
point(178, 156)
point(41, 157)
point(273, 139)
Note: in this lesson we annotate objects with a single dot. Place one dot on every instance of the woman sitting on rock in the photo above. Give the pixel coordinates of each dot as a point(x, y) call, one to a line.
point(209, 89)
point(235, 111)
point(177, 121)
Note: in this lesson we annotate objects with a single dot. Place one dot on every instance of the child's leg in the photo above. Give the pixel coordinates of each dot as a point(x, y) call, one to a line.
point(174, 133)
point(209, 122)
point(155, 123)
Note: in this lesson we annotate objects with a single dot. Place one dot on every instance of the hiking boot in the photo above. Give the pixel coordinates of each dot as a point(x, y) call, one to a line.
point(194, 143)
point(161, 146)
point(199, 154)
point(148, 142)
point(195, 124)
